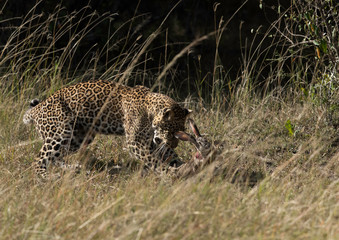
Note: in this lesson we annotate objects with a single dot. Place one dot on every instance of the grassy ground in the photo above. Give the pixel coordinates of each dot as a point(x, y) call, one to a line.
point(266, 183)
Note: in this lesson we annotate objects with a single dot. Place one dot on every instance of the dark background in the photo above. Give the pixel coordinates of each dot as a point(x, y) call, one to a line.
point(190, 20)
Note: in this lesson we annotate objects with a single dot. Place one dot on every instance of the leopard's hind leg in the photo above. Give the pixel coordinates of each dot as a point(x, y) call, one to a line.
point(66, 139)
point(56, 145)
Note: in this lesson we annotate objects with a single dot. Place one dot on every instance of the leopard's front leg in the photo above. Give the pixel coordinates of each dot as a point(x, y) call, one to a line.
point(139, 138)
point(151, 154)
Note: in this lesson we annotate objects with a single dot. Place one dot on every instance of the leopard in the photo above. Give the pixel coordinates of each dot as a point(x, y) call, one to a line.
point(69, 120)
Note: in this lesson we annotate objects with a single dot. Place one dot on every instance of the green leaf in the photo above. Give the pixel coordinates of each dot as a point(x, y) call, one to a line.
point(323, 46)
point(289, 127)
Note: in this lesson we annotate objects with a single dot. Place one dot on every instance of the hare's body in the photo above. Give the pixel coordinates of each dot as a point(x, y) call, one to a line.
point(205, 153)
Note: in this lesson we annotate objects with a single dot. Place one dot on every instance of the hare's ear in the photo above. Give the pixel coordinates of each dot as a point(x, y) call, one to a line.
point(194, 127)
point(186, 137)
point(182, 136)
point(168, 115)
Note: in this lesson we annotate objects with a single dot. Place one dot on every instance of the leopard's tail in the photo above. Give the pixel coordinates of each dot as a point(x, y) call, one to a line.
point(27, 119)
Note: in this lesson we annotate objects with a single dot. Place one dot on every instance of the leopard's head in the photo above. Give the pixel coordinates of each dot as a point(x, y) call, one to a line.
point(167, 122)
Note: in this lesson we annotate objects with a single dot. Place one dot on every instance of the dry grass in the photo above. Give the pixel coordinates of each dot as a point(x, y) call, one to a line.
point(265, 184)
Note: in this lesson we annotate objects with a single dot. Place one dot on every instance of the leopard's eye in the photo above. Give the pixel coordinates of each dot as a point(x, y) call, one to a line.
point(158, 140)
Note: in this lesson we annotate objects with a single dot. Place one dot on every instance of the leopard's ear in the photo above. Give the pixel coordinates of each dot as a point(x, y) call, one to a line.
point(188, 112)
point(168, 115)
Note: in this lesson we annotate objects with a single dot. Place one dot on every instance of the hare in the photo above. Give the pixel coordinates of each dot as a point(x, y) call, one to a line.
point(201, 143)
point(205, 150)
